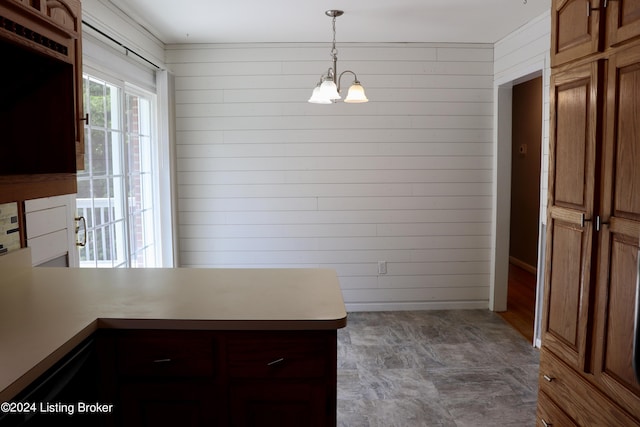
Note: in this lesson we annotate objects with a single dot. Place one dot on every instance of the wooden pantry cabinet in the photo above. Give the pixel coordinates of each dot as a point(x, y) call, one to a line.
point(591, 269)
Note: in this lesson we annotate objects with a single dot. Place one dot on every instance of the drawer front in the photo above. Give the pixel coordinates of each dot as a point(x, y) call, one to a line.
point(579, 399)
point(165, 354)
point(549, 414)
point(280, 355)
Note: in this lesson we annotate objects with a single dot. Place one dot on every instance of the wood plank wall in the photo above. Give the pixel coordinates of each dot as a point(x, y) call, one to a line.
point(267, 180)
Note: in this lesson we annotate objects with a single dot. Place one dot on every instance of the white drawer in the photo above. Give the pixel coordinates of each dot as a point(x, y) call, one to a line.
point(49, 246)
point(46, 221)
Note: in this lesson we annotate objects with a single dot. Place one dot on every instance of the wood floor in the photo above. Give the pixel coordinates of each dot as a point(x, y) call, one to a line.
point(521, 301)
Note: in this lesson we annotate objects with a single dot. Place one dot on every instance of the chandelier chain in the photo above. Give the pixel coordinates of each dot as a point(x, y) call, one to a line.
point(334, 50)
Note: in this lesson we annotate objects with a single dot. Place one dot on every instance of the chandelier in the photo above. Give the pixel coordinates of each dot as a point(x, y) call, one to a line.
point(328, 89)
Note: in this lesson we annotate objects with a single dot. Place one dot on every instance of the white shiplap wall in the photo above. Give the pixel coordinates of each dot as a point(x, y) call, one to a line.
point(267, 180)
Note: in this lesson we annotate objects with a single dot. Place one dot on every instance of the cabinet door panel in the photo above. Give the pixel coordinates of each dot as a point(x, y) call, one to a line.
point(618, 339)
point(613, 370)
point(572, 131)
point(623, 20)
point(575, 33)
point(627, 134)
point(574, 115)
point(572, 171)
point(565, 298)
point(567, 292)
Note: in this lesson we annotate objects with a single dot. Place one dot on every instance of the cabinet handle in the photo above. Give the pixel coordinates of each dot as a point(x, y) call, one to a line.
point(600, 223)
point(546, 424)
point(83, 220)
point(636, 325)
point(275, 362)
point(85, 118)
point(162, 361)
point(605, 3)
point(548, 378)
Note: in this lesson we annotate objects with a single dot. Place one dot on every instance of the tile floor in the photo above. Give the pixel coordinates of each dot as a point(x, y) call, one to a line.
point(435, 368)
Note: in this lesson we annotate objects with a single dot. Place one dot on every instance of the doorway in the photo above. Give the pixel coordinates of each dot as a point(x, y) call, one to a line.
point(526, 155)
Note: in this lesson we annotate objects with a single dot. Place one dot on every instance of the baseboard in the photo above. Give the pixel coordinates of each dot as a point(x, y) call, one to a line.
point(417, 306)
point(523, 265)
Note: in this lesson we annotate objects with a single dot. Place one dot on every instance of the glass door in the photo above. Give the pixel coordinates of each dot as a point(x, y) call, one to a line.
point(116, 190)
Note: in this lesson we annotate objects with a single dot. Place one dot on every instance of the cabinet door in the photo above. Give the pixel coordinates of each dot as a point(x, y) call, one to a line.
point(170, 404)
point(280, 404)
point(282, 378)
point(81, 119)
point(575, 30)
point(619, 239)
point(68, 13)
point(572, 177)
point(623, 20)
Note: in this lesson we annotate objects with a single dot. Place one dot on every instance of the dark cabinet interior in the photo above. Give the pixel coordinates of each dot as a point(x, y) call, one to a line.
point(37, 126)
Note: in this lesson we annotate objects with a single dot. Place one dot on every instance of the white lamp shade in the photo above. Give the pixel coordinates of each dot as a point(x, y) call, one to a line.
point(356, 94)
point(316, 98)
point(329, 90)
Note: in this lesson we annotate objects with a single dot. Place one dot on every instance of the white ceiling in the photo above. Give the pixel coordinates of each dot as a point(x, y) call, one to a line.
point(231, 21)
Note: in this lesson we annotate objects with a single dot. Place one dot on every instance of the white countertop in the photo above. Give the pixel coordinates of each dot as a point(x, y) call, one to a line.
point(46, 312)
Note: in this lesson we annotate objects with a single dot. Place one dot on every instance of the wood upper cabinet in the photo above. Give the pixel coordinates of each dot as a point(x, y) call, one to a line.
point(584, 27)
point(575, 30)
point(620, 233)
point(42, 137)
point(572, 164)
point(623, 21)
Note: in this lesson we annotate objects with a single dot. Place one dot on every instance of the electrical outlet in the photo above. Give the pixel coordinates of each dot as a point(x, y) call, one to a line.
point(382, 267)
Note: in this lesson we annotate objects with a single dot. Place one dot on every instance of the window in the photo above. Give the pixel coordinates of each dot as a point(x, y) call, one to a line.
point(117, 189)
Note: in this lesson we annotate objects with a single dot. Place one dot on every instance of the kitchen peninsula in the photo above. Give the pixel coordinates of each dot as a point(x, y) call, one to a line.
point(252, 341)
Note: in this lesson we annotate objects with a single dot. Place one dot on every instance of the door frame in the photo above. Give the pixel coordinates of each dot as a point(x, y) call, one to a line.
point(503, 93)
